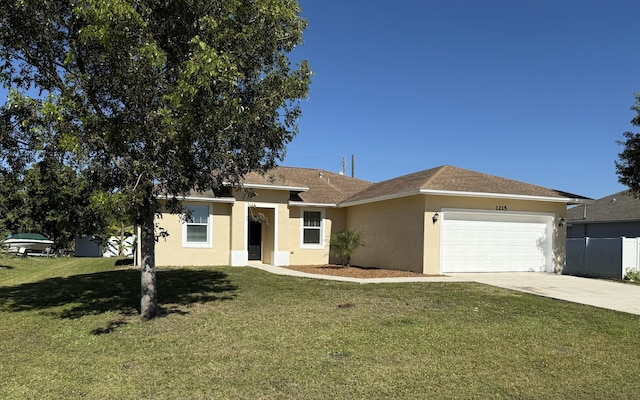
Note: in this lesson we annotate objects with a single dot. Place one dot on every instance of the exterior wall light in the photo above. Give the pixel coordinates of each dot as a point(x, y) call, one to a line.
point(561, 222)
point(435, 218)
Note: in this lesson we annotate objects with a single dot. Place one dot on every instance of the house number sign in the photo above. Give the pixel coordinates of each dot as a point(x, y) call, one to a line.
point(501, 208)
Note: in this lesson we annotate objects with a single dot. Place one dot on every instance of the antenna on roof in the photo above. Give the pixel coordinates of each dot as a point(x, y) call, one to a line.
point(343, 168)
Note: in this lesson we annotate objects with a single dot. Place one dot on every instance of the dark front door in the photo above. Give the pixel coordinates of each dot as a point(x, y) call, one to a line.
point(255, 240)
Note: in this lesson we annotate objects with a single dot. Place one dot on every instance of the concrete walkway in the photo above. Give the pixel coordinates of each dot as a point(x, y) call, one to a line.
point(286, 271)
point(594, 292)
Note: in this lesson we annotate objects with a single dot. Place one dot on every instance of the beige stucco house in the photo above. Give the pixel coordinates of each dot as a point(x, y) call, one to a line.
point(441, 220)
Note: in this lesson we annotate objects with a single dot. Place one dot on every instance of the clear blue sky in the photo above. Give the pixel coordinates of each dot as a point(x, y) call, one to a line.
point(537, 91)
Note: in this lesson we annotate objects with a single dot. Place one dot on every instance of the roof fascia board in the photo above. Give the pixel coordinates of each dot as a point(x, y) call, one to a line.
point(503, 196)
point(613, 221)
point(209, 199)
point(275, 187)
point(466, 194)
point(580, 201)
point(265, 186)
point(379, 198)
point(303, 204)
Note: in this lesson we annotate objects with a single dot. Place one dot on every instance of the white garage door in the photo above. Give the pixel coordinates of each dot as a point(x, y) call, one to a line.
point(495, 242)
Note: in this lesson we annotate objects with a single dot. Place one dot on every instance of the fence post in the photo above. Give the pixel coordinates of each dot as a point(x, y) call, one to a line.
point(628, 262)
point(623, 244)
point(586, 256)
point(637, 253)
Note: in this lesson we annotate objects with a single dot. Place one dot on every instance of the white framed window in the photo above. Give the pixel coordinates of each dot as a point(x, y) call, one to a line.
point(312, 230)
point(196, 229)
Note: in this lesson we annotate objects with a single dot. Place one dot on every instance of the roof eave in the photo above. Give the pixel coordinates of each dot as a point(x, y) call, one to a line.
point(212, 199)
point(575, 201)
point(209, 199)
point(276, 187)
point(267, 186)
point(567, 200)
point(303, 204)
point(613, 221)
point(379, 198)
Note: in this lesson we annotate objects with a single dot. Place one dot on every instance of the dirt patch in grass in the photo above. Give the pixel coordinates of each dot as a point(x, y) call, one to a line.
point(352, 271)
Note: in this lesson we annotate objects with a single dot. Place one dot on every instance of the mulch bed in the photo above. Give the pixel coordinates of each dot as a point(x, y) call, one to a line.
point(352, 271)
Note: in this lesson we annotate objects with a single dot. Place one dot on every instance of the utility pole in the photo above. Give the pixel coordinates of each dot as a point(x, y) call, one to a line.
point(353, 166)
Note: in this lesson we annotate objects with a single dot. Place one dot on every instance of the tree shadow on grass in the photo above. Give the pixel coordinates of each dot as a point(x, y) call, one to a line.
point(115, 291)
point(124, 261)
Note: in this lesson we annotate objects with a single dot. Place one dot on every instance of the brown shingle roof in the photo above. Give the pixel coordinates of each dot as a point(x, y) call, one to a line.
point(619, 206)
point(323, 186)
point(452, 179)
point(326, 187)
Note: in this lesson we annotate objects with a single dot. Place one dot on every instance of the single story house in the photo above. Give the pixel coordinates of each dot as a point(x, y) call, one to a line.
point(436, 221)
point(609, 217)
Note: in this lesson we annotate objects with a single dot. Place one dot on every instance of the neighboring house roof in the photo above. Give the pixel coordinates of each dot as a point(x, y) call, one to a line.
point(617, 207)
point(457, 181)
point(316, 186)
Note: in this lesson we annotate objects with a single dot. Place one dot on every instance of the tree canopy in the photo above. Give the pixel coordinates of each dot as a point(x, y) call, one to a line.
point(151, 97)
point(50, 198)
point(628, 163)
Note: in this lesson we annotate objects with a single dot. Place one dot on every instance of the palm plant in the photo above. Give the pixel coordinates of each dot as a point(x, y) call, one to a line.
point(345, 243)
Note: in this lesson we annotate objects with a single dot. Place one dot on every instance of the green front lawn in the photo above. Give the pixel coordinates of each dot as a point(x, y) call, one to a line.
point(68, 329)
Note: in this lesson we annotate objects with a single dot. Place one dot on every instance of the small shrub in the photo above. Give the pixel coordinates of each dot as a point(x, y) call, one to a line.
point(345, 243)
point(632, 275)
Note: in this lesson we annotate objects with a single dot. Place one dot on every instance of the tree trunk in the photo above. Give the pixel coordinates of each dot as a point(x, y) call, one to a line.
point(149, 298)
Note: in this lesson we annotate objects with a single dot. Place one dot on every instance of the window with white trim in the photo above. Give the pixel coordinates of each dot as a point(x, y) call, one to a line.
point(312, 228)
point(196, 230)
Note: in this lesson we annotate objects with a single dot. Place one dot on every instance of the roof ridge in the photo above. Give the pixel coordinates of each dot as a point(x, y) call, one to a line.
point(501, 178)
point(320, 170)
point(439, 171)
point(391, 181)
point(411, 174)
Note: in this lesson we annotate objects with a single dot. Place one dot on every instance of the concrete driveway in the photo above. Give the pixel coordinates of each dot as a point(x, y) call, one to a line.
point(594, 292)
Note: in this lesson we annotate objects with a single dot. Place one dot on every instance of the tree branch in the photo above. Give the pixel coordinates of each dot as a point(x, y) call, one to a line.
point(137, 182)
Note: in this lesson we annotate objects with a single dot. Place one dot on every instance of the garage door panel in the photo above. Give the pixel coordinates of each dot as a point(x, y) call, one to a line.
point(486, 242)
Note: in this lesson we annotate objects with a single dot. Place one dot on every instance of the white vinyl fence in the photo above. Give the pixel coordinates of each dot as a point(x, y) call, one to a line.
point(93, 246)
point(602, 257)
